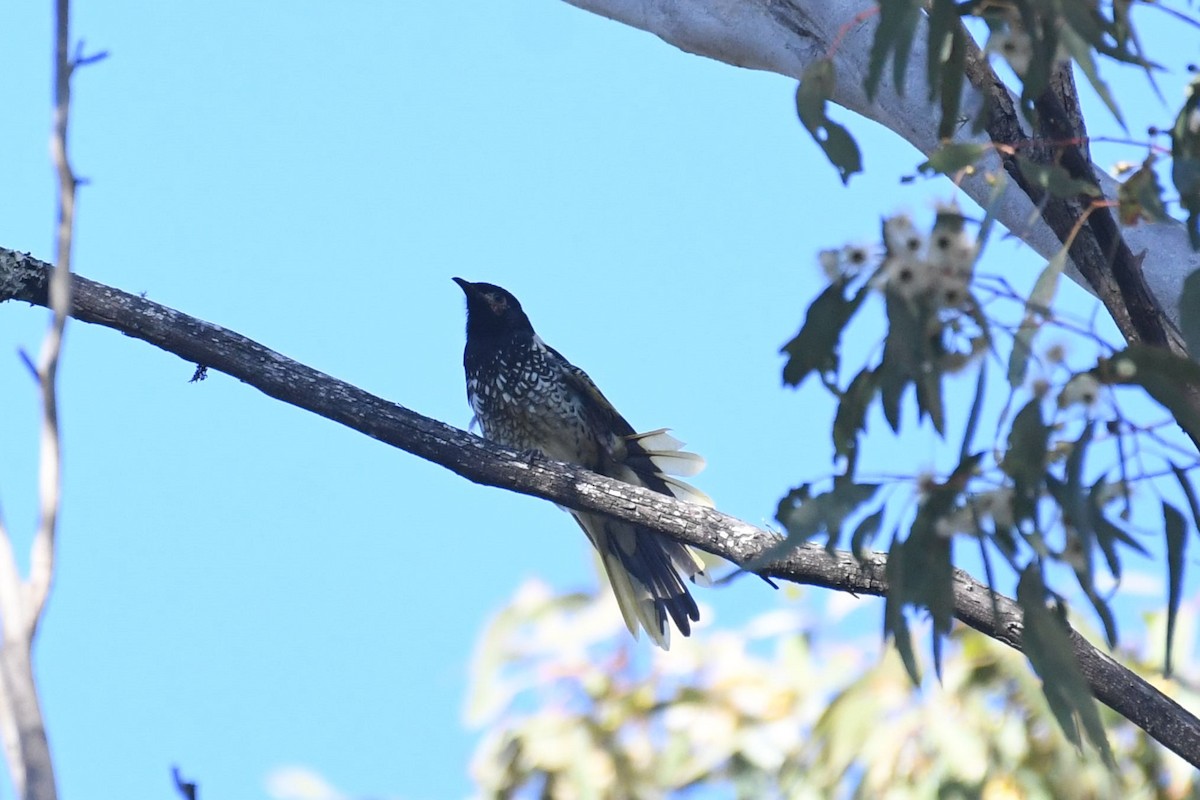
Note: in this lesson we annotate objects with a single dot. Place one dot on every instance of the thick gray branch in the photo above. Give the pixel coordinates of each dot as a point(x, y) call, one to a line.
point(24, 278)
point(785, 36)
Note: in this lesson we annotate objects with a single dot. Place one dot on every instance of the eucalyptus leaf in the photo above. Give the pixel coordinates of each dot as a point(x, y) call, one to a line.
point(864, 533)
point(1022, 349)
point(805, 515)
point(895, 625)
point(893, 36)
point(1107, 534)
point(1055, 179)
point(1185, 160)
point(1176, 533)
point(1025, 460)
point(925, 560)
point(973, 415)
point(814, 91)
point(851, 415)
point(909, 356)
point(1046, 286)
point(815, 347)
point(1082, 53)
point(1046, 641)
point(1189, 314)
point(950, 157)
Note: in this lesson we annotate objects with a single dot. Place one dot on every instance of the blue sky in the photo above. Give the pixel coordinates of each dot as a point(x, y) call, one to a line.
point(243, 585)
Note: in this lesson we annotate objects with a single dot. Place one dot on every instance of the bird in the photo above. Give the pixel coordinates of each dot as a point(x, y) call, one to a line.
point(525, 395)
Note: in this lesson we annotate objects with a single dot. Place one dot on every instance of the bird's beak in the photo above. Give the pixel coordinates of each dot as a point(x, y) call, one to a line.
point(468, 288)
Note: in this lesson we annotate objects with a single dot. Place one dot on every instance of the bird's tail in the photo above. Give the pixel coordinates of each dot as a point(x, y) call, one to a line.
point(648, 571)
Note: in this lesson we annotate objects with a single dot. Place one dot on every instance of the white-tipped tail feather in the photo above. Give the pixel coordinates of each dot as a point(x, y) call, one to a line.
point(647, 571)
point(667, 453)
point(669, 458)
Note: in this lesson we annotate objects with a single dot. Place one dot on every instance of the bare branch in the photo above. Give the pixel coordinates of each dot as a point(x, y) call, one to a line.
point(211, 346)
point(41, 567)
point(22, 602)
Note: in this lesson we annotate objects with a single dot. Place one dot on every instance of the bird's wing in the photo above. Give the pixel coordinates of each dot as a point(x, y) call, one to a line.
point(645, 459)
point(604, 415)
point(647, 571)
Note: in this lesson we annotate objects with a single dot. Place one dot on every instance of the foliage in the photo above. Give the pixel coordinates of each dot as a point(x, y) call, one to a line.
point(812, 95)
point(1032, 38)
point(1048, 497)
point(572, 709)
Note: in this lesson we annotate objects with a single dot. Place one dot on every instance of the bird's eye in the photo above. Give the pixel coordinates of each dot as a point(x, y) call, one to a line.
point(498, 304)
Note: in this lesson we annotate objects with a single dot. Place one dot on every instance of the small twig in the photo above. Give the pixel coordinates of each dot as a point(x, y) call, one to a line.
point(187, 789)
point(81, 60)
point(27, 360)
point(858, 19)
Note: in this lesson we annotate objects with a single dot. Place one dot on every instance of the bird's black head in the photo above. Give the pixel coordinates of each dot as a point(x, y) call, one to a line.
point(492, 312)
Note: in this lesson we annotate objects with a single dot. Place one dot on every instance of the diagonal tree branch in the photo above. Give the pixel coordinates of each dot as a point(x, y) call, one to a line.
point(24, 278)
point(786, 36)
point(1085, 225)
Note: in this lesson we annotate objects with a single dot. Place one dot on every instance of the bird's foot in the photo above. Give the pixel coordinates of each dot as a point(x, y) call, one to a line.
point(532, 455)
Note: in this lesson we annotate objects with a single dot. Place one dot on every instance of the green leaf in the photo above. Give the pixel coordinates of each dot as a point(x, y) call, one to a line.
point(1082, 53)
point(1173, 577)
point(1047, 643)
point(1025, 460)
point(815, 89)
point(943, 21)
point(1190, 493)
point(1095, 30)
point(989, 218)
point(1081, 535)
point(1044, 42)
point(929, 396)
point(1055, 179)
point(1022, 349)
point(805, 516)
point(909, 356)
point(1172, 380)
point(925, 561)
point(1189, 314)
point(973, 416)
point(950, 157)
point(1046, 286)
point(815, 347)
point(894, 34)
point(944, 70)
point(894, 623)
point(1036, 306)
point(1185, 160)
point(953, 73)
point(1176, 532)
point(864, 533)
point(1068, 493)
point(851, 417)
point(901, 353)
point(1108, 533)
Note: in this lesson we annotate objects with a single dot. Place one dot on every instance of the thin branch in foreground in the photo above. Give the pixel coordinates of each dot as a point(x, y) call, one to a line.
point(198, 342)
point(22, 727)
point(41, 567)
